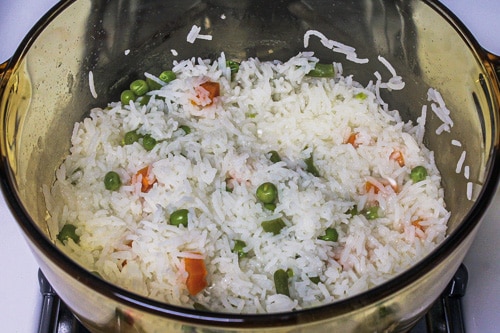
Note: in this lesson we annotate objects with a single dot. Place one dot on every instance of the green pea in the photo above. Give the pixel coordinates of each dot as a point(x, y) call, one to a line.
point(353, 211)
point(167, 76)
point(131, 137)
point(179, 217)
point(290, 273)
point(331, 235)
point(274, 156)
point(112, 181)
point(371, 213)
point(239, 245)
point(68, 231)
point(322, 70)
point(267, 193)
point(273, 226)
point(361, 96)
point(418, 174)
point(139, 87)
point(315, 279)
point(148, 142)
point(310, 167)
point(152, 84)
point(281, 282)
point(185, 128)
point(233, 65)
point(127, 96)
point(270, 206)
point(144, 100)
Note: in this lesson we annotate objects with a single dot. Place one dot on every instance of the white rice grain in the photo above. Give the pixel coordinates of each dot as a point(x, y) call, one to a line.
point(469, 190)
point(440, 110)
point(194, 34)
point(460, 162)
point(91, 84)
point(335, 46)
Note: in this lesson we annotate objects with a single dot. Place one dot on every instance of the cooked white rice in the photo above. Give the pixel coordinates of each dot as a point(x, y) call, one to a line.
point(126, 237)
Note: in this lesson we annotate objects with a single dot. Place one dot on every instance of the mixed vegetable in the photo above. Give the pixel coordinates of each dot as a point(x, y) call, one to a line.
point(112, 181)
point(322, 70)
point(281, 282)
point(179, 217)
point(197, 273)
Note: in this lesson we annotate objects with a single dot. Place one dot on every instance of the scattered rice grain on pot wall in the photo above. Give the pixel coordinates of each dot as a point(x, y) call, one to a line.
point(126, 237)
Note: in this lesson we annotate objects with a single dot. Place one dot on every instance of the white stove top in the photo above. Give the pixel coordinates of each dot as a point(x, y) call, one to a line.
point(19, 293)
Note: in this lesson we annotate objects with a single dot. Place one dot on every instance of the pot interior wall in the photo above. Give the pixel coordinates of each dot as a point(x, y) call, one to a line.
point(94, 36)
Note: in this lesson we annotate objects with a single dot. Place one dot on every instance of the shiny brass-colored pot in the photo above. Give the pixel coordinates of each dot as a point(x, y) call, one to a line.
point(44, 89)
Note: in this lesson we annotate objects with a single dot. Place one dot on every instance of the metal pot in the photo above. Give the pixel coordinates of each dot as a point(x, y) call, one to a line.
point(44, 89)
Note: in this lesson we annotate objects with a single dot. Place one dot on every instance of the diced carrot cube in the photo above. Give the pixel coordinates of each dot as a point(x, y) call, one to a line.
point(197, 273)
point(147, 183)
point(353, 140)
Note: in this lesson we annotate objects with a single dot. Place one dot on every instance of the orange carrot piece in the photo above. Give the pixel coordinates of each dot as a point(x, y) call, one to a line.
point(147, 184)
point(197, 273)
point(397, 156)
point(213, 90)
point(352, 140)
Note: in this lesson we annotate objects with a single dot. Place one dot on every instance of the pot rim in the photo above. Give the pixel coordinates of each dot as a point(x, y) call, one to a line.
point(371, 296)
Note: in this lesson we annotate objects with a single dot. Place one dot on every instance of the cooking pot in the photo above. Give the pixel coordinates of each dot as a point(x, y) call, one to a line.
point(45, 89)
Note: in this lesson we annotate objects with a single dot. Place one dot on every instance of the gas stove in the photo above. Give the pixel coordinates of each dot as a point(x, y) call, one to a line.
point(21, 300)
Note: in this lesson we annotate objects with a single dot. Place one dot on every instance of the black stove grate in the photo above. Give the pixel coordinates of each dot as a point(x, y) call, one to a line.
point(445, 316)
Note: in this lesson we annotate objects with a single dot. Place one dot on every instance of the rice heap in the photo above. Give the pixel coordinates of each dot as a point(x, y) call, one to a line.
point(338, 158)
